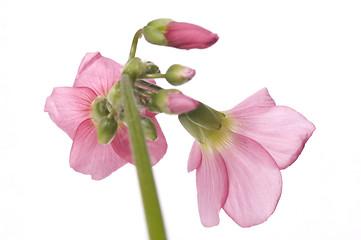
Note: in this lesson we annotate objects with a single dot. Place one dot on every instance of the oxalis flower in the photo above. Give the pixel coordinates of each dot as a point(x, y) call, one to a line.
point(238, 156)
point(74, 110)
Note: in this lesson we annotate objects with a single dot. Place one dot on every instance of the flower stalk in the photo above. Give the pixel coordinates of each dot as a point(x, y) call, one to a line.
point(142, 161)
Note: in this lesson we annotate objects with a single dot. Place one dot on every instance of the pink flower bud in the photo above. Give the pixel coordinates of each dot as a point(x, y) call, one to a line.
point(187, 36)
point(181, 35)
point(179, 103)
point(178, 74)
point(172, 101)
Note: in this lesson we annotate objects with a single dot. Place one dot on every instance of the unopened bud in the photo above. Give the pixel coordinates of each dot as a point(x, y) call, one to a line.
point(107, 129)
point(149, 129)
point(151, 68)
point(99, 109)
point(172, 101)
point(135, 68)
point(177, 74)
point(114, 97)
point(181, 35)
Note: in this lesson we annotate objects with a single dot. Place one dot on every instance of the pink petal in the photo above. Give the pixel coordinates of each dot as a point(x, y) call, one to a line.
point(187, 36)
point(255, 182)
point(87, 156)
point(98, 73)
point(212, 187)
point(195, 157)
point(68, 107)
point(88, 60)
point(282, 131)
point(259, 99)
point(157, 148)
point(179, 103)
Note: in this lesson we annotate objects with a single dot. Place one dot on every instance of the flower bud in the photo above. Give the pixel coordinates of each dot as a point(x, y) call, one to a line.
point(177, 74)
point(107, 129)
point(149, 129)
point(135, 67)
point(172, 101)
point(178, 34)
point(114, 97)
point(151, 68)
point(99, 109)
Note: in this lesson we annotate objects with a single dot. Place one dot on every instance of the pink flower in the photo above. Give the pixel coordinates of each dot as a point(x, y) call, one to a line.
point(238, 165)
point(187, 36)
point(71, 109)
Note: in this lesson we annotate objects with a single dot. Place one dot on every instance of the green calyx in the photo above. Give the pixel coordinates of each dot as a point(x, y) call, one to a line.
point(107, 129)
point(203, 123)
point(159, 101)
point(151, 68)
point(205, 117)
point(99, 109)
point(155, 30)
point(174, 75)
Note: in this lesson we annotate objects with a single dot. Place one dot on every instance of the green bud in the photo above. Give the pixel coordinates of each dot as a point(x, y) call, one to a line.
point(192, 128)
point(155, 30)
point(99, 110)
point(151, 68)
point(135, 68)
point(205, 117)
point(149, 129)
point(114, 97)
point(107, 129)
point(178, 74)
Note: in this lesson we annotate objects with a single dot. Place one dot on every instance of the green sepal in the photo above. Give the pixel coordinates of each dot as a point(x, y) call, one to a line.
point(192, 128)
point(203, 116)
point(149, 129)
point(155, 30)
point(107, 129)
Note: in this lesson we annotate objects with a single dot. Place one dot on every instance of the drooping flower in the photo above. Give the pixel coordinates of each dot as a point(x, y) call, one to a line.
point(180, 35)
point(75, 110)
point(238, 162)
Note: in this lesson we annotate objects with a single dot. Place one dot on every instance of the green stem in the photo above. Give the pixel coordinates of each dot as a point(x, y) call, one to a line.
point(142, 162)
point(148, 85)
point(153, 75)
point(133, 48)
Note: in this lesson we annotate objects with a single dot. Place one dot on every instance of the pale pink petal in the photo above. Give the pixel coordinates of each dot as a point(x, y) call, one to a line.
point(195, 157)
point(157, 148)
point(87, 156)
point(259, 99)
point(179, 103)
point(282, 131)
point(68, 107)
point(88, 60)
point(255, 182)
point(212, 187)
point(98, 73)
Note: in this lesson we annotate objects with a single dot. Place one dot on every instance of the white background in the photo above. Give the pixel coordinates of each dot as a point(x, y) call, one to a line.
point(307, 53)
